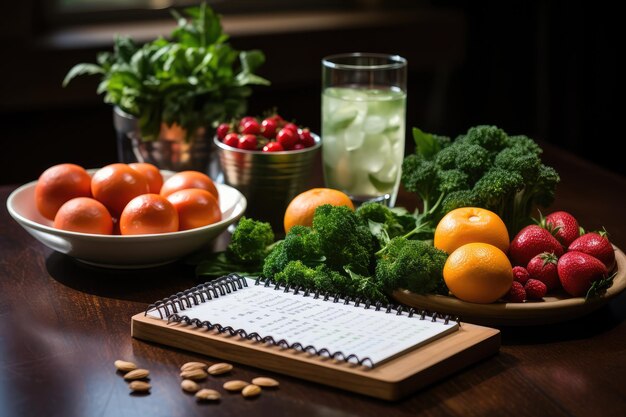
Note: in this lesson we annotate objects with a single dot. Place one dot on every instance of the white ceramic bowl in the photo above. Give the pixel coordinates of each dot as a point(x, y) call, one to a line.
point(138, 251)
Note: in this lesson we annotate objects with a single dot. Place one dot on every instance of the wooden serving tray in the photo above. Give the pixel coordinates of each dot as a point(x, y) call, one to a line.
point(553, 309)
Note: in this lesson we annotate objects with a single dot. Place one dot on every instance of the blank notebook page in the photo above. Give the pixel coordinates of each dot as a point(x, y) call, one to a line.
point(336, 326)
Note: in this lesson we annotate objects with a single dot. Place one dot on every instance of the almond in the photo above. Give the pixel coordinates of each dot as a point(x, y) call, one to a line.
point(124, 366)
point(136, 374)
point(206, 394)
point(139, 386)
point(194, 374)
point(220, 368)
point(235, 385)
point(251, 391)
point(193, 365)
point(265, 382)
point(189, 385)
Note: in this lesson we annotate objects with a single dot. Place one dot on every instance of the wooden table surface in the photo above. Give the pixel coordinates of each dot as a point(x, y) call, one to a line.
point(62, 324)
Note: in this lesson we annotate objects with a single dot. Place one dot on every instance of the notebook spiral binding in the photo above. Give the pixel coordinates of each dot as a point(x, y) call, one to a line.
point(169, 308)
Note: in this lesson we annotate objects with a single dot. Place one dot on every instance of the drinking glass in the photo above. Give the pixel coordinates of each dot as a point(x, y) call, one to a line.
point(363, 124)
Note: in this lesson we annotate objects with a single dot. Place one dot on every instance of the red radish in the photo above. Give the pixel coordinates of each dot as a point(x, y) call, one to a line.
point(269, 127)
point(578, 271)
point(222, 130)
point(287, 138)
point(530, 241)
point(291, 126)
point(596, 245)
point(564, 225)
point(251, 127)
point(273, 147)
point(542, 267)
point(232, 139)
point(306, 138)
point(247, 142)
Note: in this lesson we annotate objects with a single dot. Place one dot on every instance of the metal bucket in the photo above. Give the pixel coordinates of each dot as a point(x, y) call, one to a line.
point(268, 180)
point(170, 151)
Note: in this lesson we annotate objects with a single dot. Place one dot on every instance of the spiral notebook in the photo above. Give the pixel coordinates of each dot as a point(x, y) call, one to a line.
point(295, 330)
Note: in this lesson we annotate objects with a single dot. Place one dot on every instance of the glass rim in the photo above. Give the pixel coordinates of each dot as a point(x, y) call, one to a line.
point(395, 61)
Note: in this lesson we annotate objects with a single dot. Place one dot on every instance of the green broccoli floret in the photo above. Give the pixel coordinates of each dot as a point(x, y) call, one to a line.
point(420, 176)
point(343, 239)
point(535, 184)
point(519, 160)
point(490, 138)
point(304, 244)
point(524, 142)
point(458, 199)
point(471, 159)
point(452, 180)
point(275, 261)
point(325, 280)
point(250, 241)
point(413, 265)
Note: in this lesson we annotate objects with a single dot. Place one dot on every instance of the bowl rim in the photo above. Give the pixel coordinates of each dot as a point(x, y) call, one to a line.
point(318, 144)
point(70, 234)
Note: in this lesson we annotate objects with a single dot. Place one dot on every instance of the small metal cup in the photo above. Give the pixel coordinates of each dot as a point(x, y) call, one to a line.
point(268, 180)
point(170, 151)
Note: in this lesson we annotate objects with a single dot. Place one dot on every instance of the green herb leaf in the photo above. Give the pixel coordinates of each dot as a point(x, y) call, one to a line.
point(82, 69)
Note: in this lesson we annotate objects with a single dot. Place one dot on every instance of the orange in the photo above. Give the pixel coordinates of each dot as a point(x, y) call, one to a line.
point(148, 214)
point(478, 272)
point(189, 179)
point(301, 209)
point(58, 184)
point(470, 224)
point(152, 174)
point(115, 185)
point(84, 215)
point(195, 207)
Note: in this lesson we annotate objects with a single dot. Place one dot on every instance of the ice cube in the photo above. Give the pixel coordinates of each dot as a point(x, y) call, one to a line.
point(353, 137)
point(374, 153)
point(332, 149)
point(374, 124)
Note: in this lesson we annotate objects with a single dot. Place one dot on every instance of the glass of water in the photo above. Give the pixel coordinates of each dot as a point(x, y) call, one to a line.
point(363, 124)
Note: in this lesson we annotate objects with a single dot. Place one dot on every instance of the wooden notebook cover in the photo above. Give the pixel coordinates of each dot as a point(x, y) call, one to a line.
point(390, 380)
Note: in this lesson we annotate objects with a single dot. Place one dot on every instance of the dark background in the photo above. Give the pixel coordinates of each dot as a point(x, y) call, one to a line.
point(548, 69)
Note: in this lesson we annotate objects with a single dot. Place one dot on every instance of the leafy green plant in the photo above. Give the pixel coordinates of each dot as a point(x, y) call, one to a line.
point(195, 80)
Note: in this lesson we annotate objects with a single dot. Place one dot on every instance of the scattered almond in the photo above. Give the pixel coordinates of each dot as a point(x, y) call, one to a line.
point(265, 382)
point(251, 391)
point(139, 386)
point(193, 365)
point(136, 374)
point(206, 394)
point(194, 374)
point(235, 385)
point(220, 368)
point(124, 366)
point(189, 385)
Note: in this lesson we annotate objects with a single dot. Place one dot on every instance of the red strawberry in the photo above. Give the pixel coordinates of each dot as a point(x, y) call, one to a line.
point(535, 289)
point(578, 271)
point(520, 274)
point(530, 241)
point(596, 245)
point(564, 226)
point(542, 267)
